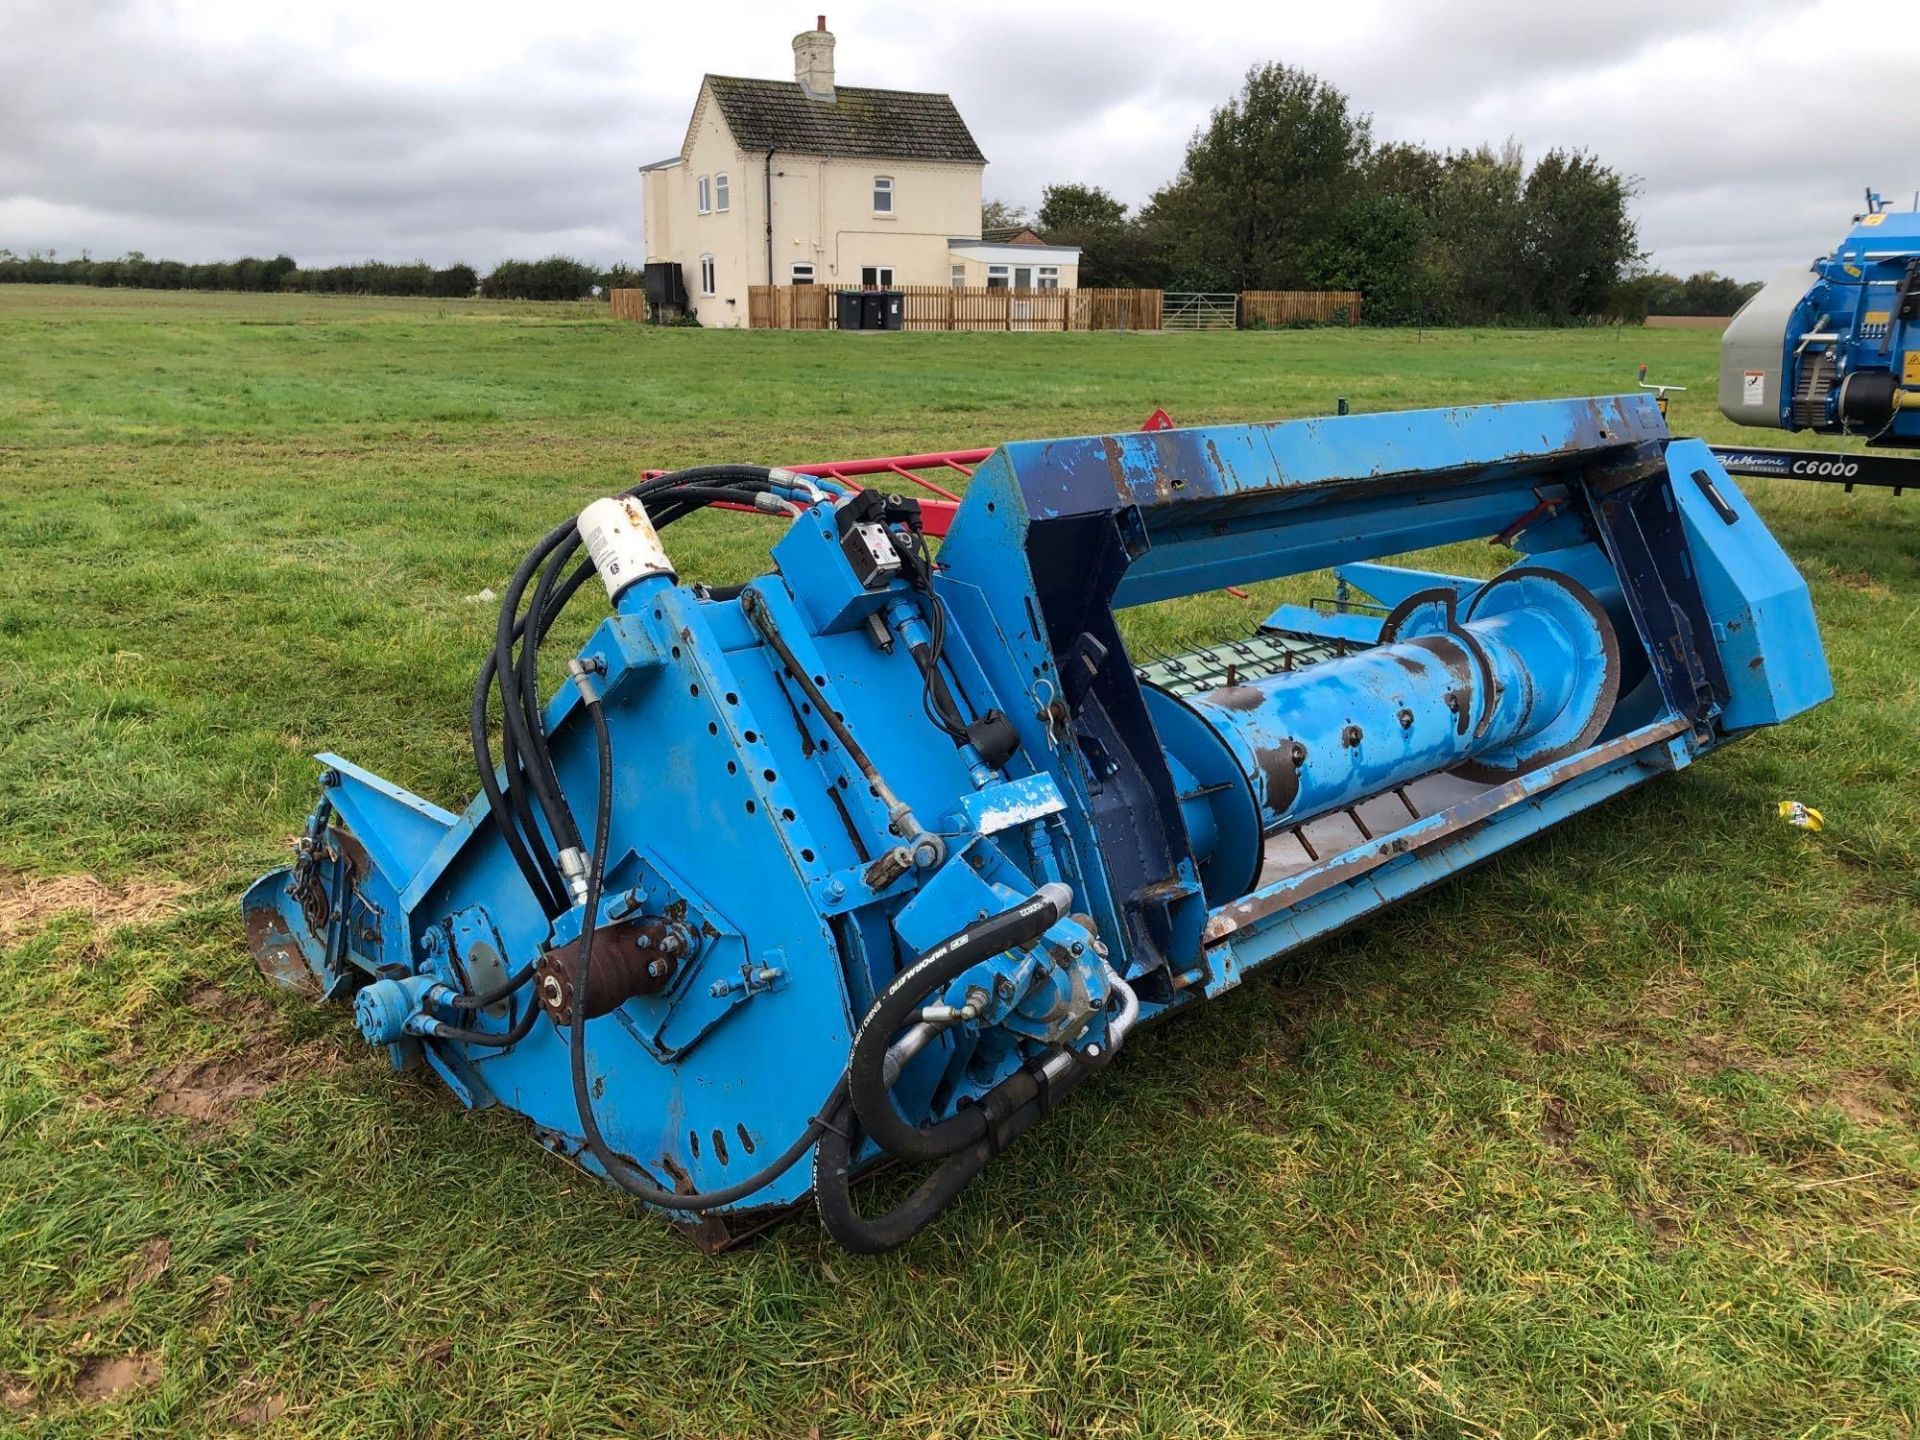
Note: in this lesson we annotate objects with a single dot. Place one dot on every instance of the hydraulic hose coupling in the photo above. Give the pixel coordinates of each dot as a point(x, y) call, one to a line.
point(389, 1011)
point(573, 869)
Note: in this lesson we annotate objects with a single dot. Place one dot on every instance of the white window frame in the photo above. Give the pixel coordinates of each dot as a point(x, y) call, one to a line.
point(999, 277)
point(709, 276)
point(722, 192)
point(959, 277)
point(883, 195)
point(1047, 278)
point(797, 277)
point(882, 277)
point(703, 195)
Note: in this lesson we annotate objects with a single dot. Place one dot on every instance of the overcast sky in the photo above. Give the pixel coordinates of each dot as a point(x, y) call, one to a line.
point(339, 130)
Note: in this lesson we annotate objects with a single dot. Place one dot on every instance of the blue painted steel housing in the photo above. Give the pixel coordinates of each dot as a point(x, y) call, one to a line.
point(742, 825)
point(1859, 323)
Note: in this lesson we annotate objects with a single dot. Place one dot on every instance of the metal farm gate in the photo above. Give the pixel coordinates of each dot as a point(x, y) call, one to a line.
point(1201, 310)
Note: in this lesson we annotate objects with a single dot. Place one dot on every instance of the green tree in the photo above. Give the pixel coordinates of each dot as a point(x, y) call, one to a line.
point(1079, 210)
point(1114, 250)
point(456, 282)
point(1711, 293)
point(1002, 214)
point(1262, 182)
point(1479, 274)
point(1378, 246)
point(1577, 240)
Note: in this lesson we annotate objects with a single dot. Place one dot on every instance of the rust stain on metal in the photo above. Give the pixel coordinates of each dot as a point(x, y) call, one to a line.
point(1236, 697)
point(1280, 771)
point(276, 954)
point(1116, 466)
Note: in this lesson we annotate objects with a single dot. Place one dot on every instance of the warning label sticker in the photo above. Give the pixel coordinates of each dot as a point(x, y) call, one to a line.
point(1753, 388)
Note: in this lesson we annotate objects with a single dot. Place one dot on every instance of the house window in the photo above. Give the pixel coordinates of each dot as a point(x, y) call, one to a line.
point(802, 273)
point(883, 194)
point(1049, 278)
point(996, 277)
point(720, 192)
point(705, 189)
point(959, 277)
point(707, 285)
point(877, 277)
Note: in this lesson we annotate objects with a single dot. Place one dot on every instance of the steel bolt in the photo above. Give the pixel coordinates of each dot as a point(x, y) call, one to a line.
point(659, 969)
point(835, 890)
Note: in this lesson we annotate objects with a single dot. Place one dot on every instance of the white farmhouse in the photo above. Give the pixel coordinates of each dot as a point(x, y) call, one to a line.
point(806, 182)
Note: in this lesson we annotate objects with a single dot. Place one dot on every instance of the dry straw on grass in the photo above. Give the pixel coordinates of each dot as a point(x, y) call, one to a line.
point(28, 904)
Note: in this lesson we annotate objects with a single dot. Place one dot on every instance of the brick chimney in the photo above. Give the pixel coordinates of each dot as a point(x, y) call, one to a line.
point(813, 61)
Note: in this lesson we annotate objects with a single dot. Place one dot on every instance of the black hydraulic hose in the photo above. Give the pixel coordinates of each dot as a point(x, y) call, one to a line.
point(496, 1040)
point(511, 810)
point(526, 679)
point(508, 815)
point(512, 814)
point(1007, 1112)
point(553, 806)
point(897, 1005)
point(936, 696)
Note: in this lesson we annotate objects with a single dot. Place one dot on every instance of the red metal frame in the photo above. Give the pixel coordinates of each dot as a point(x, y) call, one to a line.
point(937, 511)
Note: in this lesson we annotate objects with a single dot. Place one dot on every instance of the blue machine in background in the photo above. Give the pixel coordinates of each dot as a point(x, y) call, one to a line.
point(1835, 349)
point(883, 854)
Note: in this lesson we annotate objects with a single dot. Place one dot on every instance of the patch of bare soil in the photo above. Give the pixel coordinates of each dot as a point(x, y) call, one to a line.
point(1556, 1126)
point(1867, 584)
point(209, 1091)
point(29, 903)
point(16, 1394)
point(105, 1377)
point(263, 1411)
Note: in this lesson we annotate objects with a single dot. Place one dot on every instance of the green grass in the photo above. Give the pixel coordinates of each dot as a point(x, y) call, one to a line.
point(1613, 1136)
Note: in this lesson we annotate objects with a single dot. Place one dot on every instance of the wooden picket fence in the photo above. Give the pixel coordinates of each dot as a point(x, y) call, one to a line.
point(1300, 307)
point(1117, 309)
point(790, 307)
point(984, 308)
point(628, 304)
point(976, 308)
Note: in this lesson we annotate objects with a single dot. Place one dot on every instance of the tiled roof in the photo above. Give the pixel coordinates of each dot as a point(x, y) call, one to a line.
point(856, 123)
point(1012, 235)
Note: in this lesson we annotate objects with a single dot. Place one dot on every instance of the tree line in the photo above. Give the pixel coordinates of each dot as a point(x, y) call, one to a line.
point(1285, 188)
point(558, 277)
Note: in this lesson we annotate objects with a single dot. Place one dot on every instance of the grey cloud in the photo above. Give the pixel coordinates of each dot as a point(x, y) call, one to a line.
point(135, 124)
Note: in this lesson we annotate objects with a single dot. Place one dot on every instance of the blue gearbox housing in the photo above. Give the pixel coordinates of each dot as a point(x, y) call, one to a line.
point(1835, 349)
point(883, 854)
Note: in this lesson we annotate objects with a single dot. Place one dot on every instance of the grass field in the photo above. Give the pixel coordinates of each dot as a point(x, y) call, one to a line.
point(1615, 1135)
